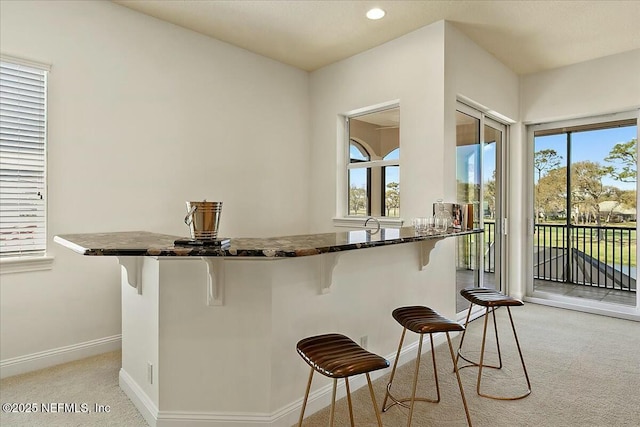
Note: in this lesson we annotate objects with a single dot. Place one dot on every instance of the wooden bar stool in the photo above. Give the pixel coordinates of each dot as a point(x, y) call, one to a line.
point(491, 300)
point(336, 356)
point(423, 320)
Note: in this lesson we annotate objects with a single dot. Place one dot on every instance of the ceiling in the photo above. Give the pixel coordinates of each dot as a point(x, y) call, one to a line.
point(527, 36)
point(387, 118)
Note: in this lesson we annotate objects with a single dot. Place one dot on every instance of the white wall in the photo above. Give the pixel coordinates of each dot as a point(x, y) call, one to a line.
point(605, 85)
point(474, 75)
point(410, 70)
point(144, 115)
point(426, 70)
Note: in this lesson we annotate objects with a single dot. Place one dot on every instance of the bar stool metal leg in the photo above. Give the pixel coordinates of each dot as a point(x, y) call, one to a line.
point(481, 365)
point(337, 356)
point(393, 373)
point(333, 402)
point(415, 381)
point(346, 383)
point(423, 320)
point(373, 399)
point(402, 402)
point(492, 299)
point(466, 323)
point(495, 328)
point(457, 371)
point(306, 396)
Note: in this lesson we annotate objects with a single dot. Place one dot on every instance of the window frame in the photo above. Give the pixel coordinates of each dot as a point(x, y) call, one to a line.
point(17, 263)
point(343, 218)
point(362, 149)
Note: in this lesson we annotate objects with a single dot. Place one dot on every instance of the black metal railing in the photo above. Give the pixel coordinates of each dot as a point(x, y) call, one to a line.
point(489, 247)
point(595, 256)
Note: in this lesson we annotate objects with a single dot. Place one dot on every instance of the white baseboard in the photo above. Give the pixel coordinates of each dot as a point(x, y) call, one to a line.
point(586, 306)
point(138, 397)
point(44, 359)
point(283, 417)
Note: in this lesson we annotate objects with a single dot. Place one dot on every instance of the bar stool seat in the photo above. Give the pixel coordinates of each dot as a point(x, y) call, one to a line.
point(423, 320)
point(337, 356)
point(491, 299)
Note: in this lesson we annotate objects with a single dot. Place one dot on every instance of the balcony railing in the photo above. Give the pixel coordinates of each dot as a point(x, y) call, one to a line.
point(489, 252)
point(603, 257)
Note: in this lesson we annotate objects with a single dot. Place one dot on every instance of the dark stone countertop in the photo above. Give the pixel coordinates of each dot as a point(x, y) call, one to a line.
point(144, 243)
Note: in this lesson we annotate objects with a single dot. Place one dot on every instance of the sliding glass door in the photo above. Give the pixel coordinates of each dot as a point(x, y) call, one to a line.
point(480, 143)
point(584, 188)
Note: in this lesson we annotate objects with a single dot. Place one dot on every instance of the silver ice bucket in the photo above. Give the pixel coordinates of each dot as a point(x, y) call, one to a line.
point(203, 219)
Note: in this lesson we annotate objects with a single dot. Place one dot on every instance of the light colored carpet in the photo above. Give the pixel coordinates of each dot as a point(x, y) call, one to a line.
point(92, 381)
point(584, 370)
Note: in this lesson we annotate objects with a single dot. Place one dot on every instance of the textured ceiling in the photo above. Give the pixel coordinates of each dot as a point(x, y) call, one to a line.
point(527, 36)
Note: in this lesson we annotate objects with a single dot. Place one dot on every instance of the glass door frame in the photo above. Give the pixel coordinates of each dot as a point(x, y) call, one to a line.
point(555, 300)
point(501, 194)
point(500, 204)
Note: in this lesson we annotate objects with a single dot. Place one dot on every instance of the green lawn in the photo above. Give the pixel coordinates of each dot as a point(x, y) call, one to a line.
point(613, 245)
point(393, 212)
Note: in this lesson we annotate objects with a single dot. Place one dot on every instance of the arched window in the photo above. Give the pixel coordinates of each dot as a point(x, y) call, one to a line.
point(357, 153)
point(392, 155)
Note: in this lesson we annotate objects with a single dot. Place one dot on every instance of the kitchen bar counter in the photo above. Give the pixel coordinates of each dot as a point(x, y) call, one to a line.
point(209, 334)
point(142, 243)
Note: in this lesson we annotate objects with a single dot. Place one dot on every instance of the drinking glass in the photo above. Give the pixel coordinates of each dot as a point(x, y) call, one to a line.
point(421, 225)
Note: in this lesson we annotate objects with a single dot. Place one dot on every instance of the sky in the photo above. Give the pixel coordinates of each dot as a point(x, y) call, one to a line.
point(590, 145)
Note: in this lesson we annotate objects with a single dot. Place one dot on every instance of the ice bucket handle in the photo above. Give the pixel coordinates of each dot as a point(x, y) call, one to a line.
point(189, 218)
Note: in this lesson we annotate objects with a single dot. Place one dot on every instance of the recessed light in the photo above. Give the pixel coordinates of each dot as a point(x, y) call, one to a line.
point(376, 13)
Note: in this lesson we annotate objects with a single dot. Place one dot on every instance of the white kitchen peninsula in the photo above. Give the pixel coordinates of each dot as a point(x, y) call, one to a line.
point(209, 333)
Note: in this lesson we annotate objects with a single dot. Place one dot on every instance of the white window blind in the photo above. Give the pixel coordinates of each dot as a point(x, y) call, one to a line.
point(23, 92)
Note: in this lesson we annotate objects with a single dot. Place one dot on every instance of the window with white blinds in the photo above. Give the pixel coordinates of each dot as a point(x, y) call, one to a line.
point(23, 91)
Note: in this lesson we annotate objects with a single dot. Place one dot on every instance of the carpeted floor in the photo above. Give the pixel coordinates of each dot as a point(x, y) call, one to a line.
point(90, 381)
point(584, 370)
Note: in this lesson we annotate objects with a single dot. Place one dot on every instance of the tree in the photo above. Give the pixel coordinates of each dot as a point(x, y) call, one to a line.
point(392, 196)
point(614, 195)
point(357, 200)
point(587, 189)
point(490, 195)
point(544, 161)
point(551, 193)
point(628, 198)
point(624, 154)
point(467, 192)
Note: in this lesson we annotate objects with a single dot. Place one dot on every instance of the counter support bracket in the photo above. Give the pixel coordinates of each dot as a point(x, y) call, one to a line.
point(328, 263)
point(133, 266)
point(215, 280)
point(426, 246)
